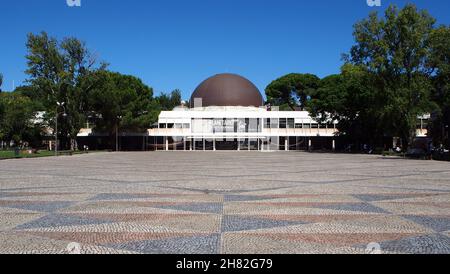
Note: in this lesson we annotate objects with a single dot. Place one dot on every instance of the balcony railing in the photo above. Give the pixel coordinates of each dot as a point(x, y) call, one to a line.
point(325, 132)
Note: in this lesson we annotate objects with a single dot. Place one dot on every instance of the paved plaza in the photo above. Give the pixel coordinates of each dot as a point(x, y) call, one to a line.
point(224, 202)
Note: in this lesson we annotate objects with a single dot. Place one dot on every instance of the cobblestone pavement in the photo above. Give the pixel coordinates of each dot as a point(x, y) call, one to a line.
point(224, 202)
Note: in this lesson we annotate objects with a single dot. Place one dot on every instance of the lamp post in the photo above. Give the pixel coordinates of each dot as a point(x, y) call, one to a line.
point(59, 104)
point(117, 132)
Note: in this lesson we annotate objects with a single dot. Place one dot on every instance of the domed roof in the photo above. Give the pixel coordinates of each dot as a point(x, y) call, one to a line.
point(227, 90)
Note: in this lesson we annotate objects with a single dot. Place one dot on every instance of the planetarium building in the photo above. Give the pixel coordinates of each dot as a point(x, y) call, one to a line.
point(227, 112)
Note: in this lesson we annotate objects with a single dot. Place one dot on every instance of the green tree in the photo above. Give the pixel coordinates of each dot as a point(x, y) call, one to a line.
point(348, 98)
point(122, 103)
point(168, 102)
point(17, 119)
point(62, 72)
point(1, 82)
point(2, 116)
point(292, 90)
point(33, 94)
point(440, 63)
point(395, 51)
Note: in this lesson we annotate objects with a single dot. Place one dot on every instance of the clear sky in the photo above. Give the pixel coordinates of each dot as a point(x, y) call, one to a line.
point(178, 43)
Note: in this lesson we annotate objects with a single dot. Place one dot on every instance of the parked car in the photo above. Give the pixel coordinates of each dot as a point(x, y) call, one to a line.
point(441, 155)
point(416, 153)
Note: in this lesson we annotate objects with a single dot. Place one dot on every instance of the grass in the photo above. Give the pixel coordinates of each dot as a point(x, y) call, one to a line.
point(392, 153)
point(9, 154)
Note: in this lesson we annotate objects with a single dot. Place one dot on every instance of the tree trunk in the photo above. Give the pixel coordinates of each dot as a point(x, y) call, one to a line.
point(73, 144)
point(112, 140)
point(411, 137)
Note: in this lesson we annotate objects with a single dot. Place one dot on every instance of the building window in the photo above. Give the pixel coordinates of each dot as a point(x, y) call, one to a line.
point(170, 125)
point(228, 125)
point(314, 125)
point(283, 122)
point(241, 125)
point(291, 123)
point(162, 126)
point(186, 126)
point(253, 125)
point(298, 125)
point(322, 125)
point(273, 123)
point(197, 125)
point(422, 124)
point(267, 122)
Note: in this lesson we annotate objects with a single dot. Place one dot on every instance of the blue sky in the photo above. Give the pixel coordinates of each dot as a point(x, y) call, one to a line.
point(178, 43)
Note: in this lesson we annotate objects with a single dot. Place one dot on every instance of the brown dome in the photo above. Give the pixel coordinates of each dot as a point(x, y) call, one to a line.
point(227, 90)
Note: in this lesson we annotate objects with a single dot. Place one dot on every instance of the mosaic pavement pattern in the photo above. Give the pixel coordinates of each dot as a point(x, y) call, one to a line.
point(224, 202)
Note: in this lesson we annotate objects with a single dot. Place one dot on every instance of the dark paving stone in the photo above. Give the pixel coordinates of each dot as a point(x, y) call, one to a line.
point(49, 207)
point(7, 194)
point(362, 207)
point(439, 224)
point(196, 207)
point(208, 244)
point(228, 192)
point(116, 196)
point(239, 223)
point(56, 220)
point(376, 197)
point(243, 198)
point(427, 244)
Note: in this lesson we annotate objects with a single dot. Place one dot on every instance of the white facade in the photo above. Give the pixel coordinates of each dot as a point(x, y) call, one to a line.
point(247, 127)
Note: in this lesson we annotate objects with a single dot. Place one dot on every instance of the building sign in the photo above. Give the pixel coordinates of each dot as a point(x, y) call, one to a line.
point(228, 125)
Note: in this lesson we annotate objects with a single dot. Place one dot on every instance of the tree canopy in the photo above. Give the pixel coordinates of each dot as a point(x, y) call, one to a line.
point(292, 90)
point(440, 63)
point(17, 117)
point(68, 83)
point(395, 50)
point(62, 71)
point(347, 98)
point(387, 80)
point(169, 101)
point(122, 101)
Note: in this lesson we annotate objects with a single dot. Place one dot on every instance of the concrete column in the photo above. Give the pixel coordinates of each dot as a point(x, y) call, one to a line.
point(334, 145)
point(184, 143)
point(167, 144)
point(214, 144)
point(309, 143)
point(248, 144)
point(239, 144)
point(286, 144)
point(193, 144)
point(204, 144)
